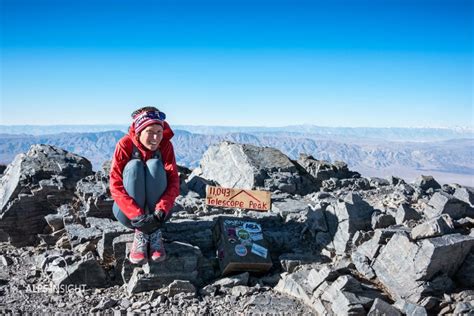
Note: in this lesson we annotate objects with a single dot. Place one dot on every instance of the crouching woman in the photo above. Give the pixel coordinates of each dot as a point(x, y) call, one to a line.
point(144, 182)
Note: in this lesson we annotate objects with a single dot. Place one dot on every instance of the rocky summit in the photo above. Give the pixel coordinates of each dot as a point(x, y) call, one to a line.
point(337, 243)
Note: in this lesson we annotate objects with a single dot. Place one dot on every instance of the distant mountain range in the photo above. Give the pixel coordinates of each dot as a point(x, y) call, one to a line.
point(343, 133)
point(451, 160)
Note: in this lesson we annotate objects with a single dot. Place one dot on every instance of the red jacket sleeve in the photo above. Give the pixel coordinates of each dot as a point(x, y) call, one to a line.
point(122, 155)
point(166, 201)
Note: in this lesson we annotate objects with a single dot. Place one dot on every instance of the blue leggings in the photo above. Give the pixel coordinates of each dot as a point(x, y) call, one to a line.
point(145, 183)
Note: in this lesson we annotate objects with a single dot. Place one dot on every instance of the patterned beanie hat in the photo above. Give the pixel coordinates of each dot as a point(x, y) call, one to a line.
point(144, 119)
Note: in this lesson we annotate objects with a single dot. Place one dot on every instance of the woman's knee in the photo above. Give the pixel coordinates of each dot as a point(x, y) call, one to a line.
point(134, 166)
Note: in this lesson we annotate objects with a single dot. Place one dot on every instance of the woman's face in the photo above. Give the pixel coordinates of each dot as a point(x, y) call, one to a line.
point(151, 137)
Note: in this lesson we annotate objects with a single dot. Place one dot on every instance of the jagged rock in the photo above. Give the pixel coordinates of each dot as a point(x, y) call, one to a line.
point(33, 186)
point(198, 184)
point(362, 265)
point(182, 263)
point(349, 216)
point(349, 297)
point(465, 274)
point(119, 246)
point(317, 277)
point(437, 226)
point(410, 309)
point(189, 203)
point(296, 285)
point(430, 303)
point(87, 272)
point(443, 203)
point(104, 304)
point(181, 286)
point(110, 230)
point(382, 220)
point(380, 307)
point(360, 237)
point(466, 195)
point(183, 174)
point(463, 308)
point(290, 261)
point(271, 304)
point(289, 206)
point(248, 167)
point(365, 254)
point(2, 169)
point(94, 194)
point(195, 232)
point(225, 284)
point(378, 182)
point(314, 221)
point(238, 279)
point(79, 234)
point(406, 213)
point(55, 221)
point(405, 267)
point(395, 180)
point(241, 290)
point(322, 170)
point(427, 182)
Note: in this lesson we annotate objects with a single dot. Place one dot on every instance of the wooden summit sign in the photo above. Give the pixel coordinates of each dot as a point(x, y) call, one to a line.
point(238, 198)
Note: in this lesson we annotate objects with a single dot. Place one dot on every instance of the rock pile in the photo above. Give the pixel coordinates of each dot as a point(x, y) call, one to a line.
point(340, 243)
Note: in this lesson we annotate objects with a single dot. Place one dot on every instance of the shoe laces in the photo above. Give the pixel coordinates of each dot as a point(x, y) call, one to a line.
point(155, 239)
point(141, 239)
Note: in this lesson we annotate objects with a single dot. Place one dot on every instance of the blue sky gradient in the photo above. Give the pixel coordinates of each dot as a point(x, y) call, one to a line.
point(265, 63)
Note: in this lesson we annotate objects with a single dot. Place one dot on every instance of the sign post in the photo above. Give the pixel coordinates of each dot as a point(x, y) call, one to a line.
point(238, 198)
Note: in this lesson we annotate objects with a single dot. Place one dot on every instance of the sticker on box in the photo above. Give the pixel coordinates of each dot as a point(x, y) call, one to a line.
point(243, 234)
point(256, 237)
point(259, 250)
point(240, 250)
point(252, 227)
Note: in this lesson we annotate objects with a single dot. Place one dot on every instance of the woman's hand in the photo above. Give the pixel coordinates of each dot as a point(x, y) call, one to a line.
point(147, 223)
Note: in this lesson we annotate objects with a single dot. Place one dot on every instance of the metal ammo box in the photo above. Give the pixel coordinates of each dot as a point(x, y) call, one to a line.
point(241, 246)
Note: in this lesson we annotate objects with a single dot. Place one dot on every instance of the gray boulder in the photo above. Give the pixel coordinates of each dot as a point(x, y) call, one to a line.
point(248, 167)
point(35, 184)
point(406, 268)
point(380, 307)
point(182, 263)
point(427, 182)
point(296, 285)
point(322, 170)
point(349, 216)
point(181, 286)
point(437, 226)
point(349, 297)
point(466, 195)
point(365, 253)
point(94, 194)
point(443, 203)
point(290, 206)
point(110, 230)
point(405, 213)
point(198, 184)
point(85, 272)
point(382, 220)
point(465, 274)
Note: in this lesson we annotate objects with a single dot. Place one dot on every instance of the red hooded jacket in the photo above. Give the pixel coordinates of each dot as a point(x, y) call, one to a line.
point(123, 154)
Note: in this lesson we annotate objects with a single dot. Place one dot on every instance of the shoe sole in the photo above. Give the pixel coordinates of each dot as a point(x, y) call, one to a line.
point(141, 261)
point(160, 259)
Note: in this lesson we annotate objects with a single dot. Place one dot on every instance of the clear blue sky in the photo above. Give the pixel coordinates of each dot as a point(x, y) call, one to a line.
point(270, 63)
